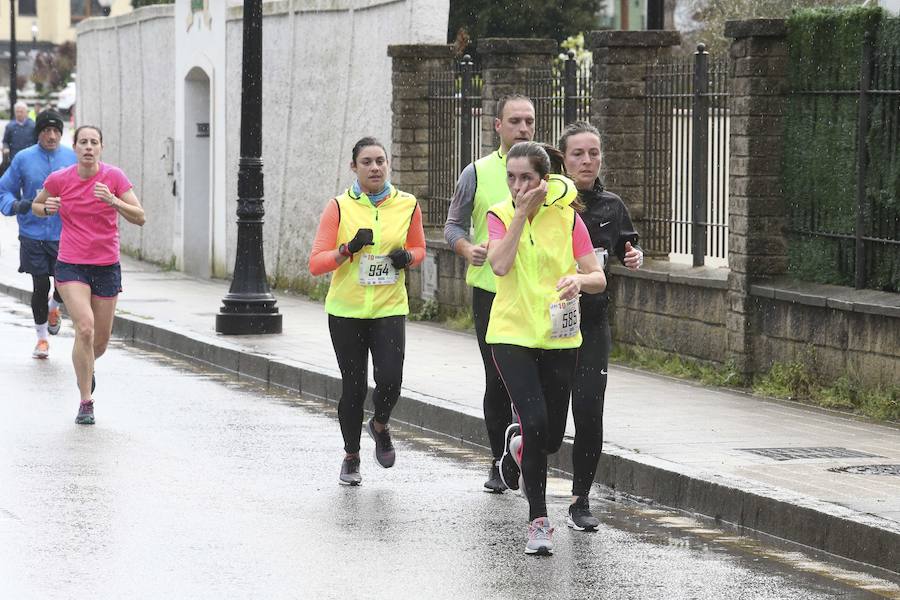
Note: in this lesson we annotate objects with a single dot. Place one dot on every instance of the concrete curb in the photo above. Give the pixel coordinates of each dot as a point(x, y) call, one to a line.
point(819, 525)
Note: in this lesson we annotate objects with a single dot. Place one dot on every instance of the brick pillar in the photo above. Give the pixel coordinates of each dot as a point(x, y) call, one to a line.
point(617, 106)
point(505, 64)
point(412, 65)
point(757, 246)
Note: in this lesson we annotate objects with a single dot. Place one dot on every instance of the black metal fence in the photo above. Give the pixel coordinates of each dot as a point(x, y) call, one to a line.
point(560, 95)
point(686, 159)
point(857, 232)
point(454, 134)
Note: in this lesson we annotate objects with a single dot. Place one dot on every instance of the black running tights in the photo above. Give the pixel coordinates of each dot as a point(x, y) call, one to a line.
point(539, 383)
point(353, 339)
point(39, 298)
point(497, 411)
point(588, 393)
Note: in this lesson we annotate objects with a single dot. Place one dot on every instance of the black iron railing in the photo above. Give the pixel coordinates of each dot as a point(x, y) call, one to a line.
point(454, 134)
point(864, 231)
point(686, 128)
point(561, 95)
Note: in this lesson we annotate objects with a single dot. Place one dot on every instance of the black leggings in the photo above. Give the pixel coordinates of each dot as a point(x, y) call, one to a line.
point(539, 382)
point(588, 393)
point(39, 307)
point(353, 339)
point(497, 411)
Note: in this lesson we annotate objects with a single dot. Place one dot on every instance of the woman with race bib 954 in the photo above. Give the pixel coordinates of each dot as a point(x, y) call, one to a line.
point(368, 236)
point(536, 241)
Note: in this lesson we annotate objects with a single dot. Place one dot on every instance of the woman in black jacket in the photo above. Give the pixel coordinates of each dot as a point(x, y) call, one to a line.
point(612, 232)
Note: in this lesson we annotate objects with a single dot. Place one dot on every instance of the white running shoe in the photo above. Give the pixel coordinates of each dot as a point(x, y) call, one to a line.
point(540, 537)
point(41, 350)
point(510, 470)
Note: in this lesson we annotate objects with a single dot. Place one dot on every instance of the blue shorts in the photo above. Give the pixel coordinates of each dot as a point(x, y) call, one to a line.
point(37, 257)
point(104, 281)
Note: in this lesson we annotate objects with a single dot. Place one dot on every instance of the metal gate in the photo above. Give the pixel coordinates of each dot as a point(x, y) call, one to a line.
point(686, 160)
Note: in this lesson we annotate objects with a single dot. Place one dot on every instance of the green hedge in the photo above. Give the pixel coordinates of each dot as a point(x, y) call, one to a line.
point(820, 167)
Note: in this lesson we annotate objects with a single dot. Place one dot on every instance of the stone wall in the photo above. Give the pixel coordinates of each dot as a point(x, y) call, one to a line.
point(840, 331)
point(672, 308)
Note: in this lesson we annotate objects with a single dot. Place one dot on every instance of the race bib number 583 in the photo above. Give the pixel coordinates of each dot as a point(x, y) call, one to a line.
point(376, 270)
point(565, 318)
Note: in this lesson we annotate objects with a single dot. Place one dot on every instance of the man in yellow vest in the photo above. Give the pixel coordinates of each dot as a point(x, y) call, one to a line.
point(481, 185)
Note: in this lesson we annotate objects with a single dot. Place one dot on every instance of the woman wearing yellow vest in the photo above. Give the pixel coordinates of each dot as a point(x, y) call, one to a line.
point(536, 241)
point(368, 236)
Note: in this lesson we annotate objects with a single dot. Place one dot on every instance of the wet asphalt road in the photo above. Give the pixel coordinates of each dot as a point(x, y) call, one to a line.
point(195, 485)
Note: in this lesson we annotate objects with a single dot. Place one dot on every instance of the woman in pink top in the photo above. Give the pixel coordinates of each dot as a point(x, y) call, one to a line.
point(89, 197)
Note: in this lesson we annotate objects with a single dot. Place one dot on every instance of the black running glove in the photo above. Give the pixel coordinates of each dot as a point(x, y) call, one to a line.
point(362, 238)
point(400, 258)
point(21, 207)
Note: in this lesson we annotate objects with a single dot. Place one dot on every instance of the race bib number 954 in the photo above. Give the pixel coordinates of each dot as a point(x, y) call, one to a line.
point(565, 318)
point(376, 270)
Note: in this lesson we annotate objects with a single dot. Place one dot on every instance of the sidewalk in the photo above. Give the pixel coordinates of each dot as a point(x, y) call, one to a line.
point(680, 444)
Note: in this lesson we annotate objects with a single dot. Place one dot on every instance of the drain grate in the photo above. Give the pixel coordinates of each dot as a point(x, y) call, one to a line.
point(869, 470)
point(813, 452)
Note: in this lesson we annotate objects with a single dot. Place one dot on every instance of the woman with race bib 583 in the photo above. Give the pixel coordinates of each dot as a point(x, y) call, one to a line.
point(536, 240)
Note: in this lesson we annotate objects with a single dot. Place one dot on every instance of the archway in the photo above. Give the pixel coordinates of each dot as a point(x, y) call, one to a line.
point(198, 206)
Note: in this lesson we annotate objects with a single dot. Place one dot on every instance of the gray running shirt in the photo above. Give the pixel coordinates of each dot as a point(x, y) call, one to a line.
point(459, 215)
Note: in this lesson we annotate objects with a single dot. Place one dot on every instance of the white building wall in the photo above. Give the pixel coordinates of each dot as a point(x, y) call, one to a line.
point(124, 77)
point(326, 83)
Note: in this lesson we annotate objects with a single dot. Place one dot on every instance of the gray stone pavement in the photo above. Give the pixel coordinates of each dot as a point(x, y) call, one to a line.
point(674, 442)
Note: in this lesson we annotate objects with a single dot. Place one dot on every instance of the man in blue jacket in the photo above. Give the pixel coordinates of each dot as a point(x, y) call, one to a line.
point(38, 238)
point(19, 132)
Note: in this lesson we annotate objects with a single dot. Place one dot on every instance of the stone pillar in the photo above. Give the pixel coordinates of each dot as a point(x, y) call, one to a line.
point(617, 106)
point(757, 245)
point(505, 66)
point(412, 65)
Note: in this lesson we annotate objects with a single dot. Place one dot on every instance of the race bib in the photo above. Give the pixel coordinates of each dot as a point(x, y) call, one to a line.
point(376, 270)
point(565, 318)
point(602, 255)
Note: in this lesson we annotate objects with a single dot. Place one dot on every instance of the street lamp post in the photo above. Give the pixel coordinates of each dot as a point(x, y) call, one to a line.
point(249, 307)
point(13, 75)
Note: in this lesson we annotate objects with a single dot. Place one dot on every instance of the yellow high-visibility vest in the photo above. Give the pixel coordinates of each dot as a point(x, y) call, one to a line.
point(490, 188)
point(389, 222)
point(520, 314)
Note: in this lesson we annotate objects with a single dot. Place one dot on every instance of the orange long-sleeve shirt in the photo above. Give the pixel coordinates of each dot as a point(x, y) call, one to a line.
point(322, 258)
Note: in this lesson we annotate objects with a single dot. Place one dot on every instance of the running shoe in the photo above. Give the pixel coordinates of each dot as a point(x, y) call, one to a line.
point(509, 463)
point(384, 448)
point(41, 350)
point(85, 413)
point(494, 484)
point(540, 537)
point(579, 516)
point(54, 321)
point(350, 471)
